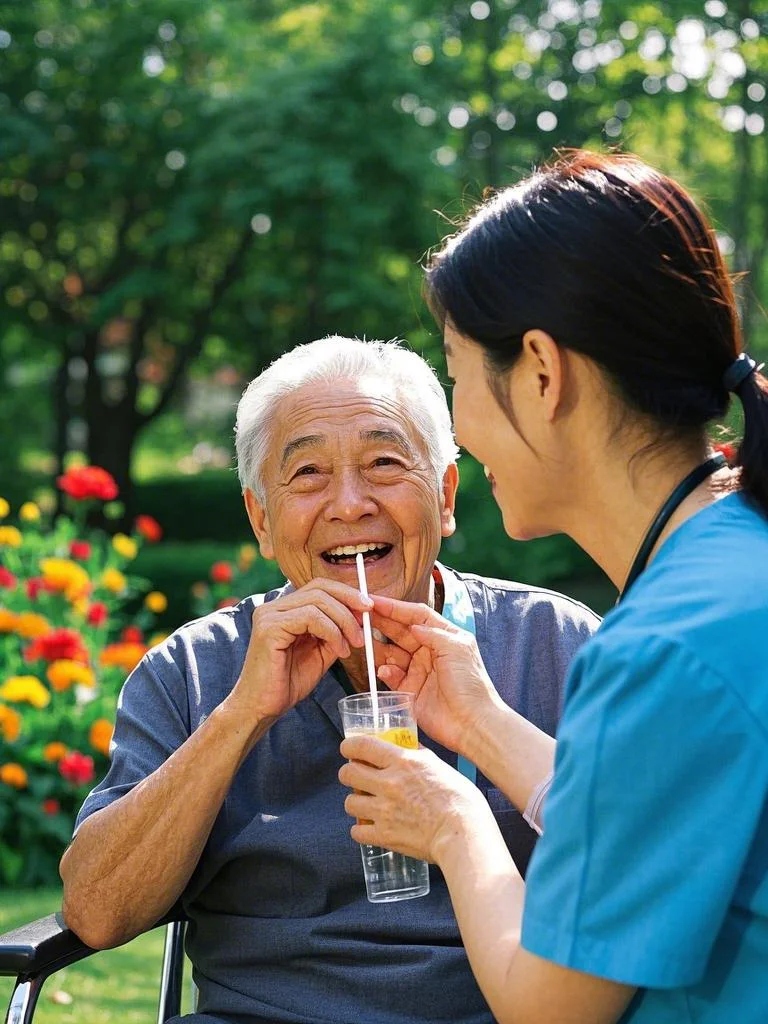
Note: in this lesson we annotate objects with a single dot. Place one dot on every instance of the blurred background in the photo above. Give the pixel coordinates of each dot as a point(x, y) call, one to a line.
point(190, 188)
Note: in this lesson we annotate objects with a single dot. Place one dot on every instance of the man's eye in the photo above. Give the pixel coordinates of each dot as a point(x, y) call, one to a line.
point(305, 471)
point(387, 460)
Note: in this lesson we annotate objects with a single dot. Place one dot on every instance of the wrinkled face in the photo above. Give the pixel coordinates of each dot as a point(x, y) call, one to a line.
point(347, 473)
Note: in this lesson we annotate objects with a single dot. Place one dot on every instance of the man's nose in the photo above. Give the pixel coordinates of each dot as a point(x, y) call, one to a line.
point(350, 497)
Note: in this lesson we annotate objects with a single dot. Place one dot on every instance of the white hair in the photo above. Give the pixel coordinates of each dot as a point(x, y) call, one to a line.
point(334, 359)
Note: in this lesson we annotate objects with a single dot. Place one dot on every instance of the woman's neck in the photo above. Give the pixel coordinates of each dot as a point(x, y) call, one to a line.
point(620, 500)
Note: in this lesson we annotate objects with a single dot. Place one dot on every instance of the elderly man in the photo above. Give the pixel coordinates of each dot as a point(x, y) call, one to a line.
point(223, 789)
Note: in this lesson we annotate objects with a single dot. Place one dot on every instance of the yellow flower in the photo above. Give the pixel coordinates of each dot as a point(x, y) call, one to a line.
point(8, 621)
point(125, 546)
point(156, 602)
point(246, 556)
point(10, 537)
point(113, 580)
point(157, 638)
point(55, 751)
point(10, 723)
point(100, 735)
point(5, 508)
point(29, 689)
point(29, 512)
point(13, 775)
point(31, 625)
point(63, 673)
point(66, 576)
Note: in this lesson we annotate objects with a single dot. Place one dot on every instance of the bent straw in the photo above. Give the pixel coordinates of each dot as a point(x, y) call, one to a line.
point(368, 638)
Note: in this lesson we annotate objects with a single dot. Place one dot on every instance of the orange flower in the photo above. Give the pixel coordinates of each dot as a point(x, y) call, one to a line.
point(10, 723)
point(54, 752)
point(13, 775)
point(149, 528)
point(66, 577)
point(124, 656)
point(100, 735)
point(64, 672)
point(30, 625)
point(8, 621)
point(156, 602)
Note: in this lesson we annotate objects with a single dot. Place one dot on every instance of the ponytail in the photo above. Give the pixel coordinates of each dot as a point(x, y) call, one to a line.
point(753, 451)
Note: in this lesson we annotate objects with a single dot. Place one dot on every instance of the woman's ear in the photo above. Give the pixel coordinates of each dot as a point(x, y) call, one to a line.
point(544, 360)
point(257, 514)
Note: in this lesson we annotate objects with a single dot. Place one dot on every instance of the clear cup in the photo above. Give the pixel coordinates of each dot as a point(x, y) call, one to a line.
point(389, 876)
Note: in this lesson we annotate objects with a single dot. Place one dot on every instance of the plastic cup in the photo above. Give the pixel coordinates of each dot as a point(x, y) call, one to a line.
point(389, 876)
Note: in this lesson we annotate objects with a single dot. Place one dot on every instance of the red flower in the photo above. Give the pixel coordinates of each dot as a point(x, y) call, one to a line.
point(76, 767)
point(729, 450)
point(132, 635)
point(35, 584)
point(80, 549)
point(221, 572)
point(51, 806)
point(227, 602)
point(97, 614)
point(7, 579)
point(83, 483)
point(59, 644)
point(149, 528)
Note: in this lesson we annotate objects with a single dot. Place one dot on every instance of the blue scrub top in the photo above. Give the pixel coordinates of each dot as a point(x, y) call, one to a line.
point(653, 867)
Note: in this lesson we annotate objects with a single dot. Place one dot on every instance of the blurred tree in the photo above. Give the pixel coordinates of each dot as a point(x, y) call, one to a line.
point(188, 183)
point(177, 171)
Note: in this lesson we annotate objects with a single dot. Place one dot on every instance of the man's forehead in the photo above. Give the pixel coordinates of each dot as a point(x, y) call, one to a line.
point(385, 435)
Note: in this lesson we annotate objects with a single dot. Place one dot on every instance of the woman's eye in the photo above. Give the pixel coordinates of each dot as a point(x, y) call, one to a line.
point(305, 471)
point(386, 460)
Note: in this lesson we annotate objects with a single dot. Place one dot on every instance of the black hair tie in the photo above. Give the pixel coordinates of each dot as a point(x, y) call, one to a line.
point(742, 367)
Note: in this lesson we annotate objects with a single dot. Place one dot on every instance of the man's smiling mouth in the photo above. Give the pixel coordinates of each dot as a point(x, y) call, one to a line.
point(345, 553)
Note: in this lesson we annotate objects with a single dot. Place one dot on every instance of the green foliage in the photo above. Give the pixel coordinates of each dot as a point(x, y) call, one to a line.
point(182, 570)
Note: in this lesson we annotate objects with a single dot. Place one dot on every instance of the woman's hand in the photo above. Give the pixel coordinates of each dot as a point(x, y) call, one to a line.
point(407, 800)
point(438, 663)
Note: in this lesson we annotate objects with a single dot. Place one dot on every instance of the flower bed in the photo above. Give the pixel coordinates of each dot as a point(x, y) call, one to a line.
point(66, 646)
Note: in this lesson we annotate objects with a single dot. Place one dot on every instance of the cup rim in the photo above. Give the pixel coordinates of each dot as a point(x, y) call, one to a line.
point(390, 698)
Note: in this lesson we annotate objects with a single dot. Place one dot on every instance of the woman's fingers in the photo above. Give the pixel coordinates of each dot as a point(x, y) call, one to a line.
point(370, 750)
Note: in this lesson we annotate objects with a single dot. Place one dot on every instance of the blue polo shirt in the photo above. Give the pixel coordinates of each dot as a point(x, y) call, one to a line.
point(280, 928)
point(653, 867)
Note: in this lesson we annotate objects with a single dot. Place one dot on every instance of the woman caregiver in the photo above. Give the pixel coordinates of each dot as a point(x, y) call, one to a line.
point(591, 332)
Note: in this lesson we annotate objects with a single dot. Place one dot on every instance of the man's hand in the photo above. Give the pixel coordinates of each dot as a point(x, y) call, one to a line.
point(294, 641)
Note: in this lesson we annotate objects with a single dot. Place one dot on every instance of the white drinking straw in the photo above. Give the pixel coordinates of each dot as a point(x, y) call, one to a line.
point(368, 638)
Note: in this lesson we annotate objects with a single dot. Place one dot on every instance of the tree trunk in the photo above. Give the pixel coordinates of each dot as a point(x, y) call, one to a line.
point(112, 434)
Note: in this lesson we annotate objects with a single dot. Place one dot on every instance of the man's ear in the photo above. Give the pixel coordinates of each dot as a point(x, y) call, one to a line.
point(257, 515)
point(448, 500)
point(544, 360)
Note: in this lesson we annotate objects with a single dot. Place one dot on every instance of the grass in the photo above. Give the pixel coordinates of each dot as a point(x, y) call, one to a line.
point(119, 986)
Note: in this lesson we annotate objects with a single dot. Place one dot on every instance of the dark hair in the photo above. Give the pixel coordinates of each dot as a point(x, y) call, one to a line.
point(614, 260)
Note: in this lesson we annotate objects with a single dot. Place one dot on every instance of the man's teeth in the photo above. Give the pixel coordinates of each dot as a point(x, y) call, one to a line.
point(350, 549)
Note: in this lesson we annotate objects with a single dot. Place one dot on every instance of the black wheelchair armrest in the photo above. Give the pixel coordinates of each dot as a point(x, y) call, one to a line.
point(40, 947)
